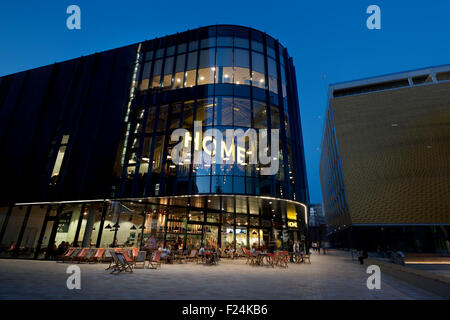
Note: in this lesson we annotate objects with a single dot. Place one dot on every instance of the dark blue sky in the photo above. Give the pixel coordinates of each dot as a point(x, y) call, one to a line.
point(328, 40)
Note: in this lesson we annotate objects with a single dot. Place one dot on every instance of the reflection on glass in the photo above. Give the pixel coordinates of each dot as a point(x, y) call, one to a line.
point(157, 154)
point(223, 113)
point(188, 114)
point(205, 108)
point(272, 71)
point(182, 48)
point(241, 42)
point(224, 65)
point(206, 76)
point(208, 42)
point(224, 41)
point(201, 184)
point(167, 82)
point(143, 168)
point(211, 236)
point(179, 71)
point(241, 110)
point(228, 236)
point(190, 78)
point(259, 70)
point(155, 82)
point(259, 115)
point(162, 117)
point(149, 127)
point(257, 46)
point(159, 53)
point(275, 117)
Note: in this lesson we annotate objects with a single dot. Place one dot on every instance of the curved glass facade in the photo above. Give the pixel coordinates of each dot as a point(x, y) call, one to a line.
point(227, 77)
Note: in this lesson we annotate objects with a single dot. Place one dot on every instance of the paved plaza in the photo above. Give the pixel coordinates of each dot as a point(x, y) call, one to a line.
point(333, 276)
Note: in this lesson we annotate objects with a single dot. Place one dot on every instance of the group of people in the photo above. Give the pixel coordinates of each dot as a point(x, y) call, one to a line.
point(209, 254)
point(316, 246)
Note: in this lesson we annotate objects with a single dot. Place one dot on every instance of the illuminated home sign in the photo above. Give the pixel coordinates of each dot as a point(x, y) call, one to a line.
point(292, 224)
point(211, 147)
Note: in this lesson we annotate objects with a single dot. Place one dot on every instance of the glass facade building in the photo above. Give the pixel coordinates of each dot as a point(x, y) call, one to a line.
point(97, 169)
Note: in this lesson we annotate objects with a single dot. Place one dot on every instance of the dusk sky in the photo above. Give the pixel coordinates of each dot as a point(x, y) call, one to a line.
point(328, 40)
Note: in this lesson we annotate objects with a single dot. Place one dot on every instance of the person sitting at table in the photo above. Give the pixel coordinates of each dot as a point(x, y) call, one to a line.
point(166, 255)
point(212, 257)
point(201, 252)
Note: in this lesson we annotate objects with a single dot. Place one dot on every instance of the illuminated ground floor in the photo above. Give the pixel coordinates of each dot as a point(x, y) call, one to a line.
point(35, 230)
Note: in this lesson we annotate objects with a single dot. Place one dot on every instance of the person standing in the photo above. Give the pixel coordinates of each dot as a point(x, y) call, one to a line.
point(363, 256)
point(318, 247)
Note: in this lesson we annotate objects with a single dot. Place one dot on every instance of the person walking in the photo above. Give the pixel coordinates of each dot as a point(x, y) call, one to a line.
point(318, 247)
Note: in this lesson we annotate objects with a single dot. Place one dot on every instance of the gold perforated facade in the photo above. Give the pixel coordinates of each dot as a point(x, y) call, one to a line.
point(386, 155)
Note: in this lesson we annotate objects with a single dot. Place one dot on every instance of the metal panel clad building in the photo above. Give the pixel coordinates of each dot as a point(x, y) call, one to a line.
point(386, 160)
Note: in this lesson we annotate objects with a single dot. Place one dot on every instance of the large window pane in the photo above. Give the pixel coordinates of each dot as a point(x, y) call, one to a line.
point(193, 45)
point(241, 111)
point(149, 127)
point(223, 113)
point(178, 80)
point(157, 154)
point(205, 108)
point(168, 66)
point(275, 117)
point(272, 68)
point(179, 71)
point(259, 115)
point(182, 48)
point(241, 76)
point(201, 184)
point(191, 70)
point(145, 159)
point(32, 231)
point(163, 113)
point(158, 67)
point(208, 42)
point(149, 55)
point(283, 80)
point(206, 76)
point(192, 61)
point(206, 66)
point(225, 41)
point(258, 70)
point(156, 81)
point(188, 114)
point(224, 65)
point(241, 58)
point(12, 229)
point(241, 42)
point(167, 82)
point(170, 51)
point(90, 224)
point(256, 45)
point(159, 53)
point(190, 78)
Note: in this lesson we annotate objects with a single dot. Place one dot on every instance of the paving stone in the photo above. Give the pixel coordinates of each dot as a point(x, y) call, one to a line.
point(333, 276)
